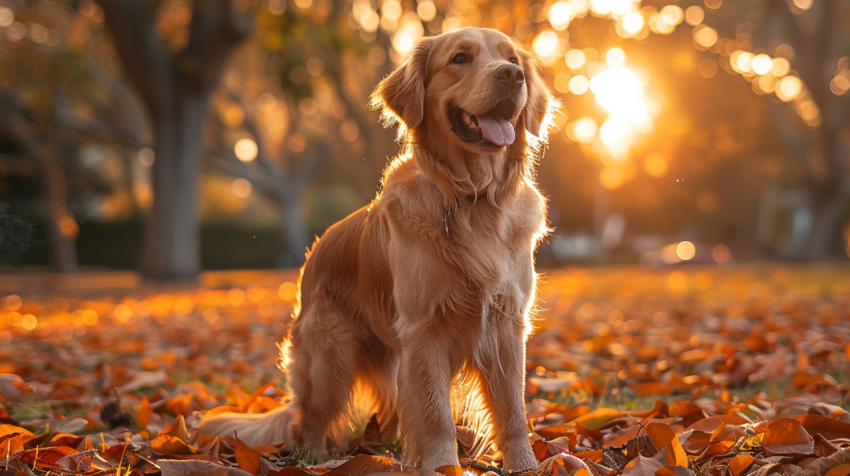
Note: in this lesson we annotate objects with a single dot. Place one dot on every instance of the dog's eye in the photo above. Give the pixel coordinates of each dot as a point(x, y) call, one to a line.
point(460, 58)
point(514, 60)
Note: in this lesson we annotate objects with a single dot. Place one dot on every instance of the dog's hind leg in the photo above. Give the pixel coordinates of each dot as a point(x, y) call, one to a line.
point(322, 365)
point(380, 374)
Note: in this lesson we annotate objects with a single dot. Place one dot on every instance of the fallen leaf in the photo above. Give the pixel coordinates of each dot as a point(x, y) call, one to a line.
point(642, 466)
point(786, 436)
point(740, 463)
point(363, 464)
point(247, 458)
point(172, 445)
point(143, 418)
point(676, 455)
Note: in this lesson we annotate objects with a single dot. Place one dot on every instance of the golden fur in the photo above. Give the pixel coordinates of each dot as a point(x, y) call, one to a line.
point(420, 318)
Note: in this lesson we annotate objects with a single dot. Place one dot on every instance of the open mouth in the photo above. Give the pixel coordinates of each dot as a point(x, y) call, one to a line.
point(492, 128)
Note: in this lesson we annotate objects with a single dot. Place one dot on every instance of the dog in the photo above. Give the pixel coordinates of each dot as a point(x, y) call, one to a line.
point(422, 299)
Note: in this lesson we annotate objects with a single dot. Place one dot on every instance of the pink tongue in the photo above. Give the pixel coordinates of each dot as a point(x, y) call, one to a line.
point(497, 131)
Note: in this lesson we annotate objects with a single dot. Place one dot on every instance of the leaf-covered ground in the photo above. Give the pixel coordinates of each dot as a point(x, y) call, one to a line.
point(671, 372)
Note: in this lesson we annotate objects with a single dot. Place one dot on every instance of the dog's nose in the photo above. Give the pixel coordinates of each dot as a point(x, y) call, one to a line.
point(510, 75)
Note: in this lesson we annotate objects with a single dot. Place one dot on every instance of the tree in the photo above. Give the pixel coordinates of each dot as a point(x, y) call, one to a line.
point(818, 38)
point(175, 90)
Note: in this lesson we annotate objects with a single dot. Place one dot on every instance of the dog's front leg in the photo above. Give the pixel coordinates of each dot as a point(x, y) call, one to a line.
point(503, 369)
point(425, 410)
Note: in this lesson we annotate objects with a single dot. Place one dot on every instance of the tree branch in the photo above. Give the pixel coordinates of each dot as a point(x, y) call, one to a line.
point(217, 27)
point(145, 60)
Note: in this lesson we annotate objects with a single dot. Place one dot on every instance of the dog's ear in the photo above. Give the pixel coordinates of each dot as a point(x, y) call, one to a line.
point(540, 104)
point(401, 95)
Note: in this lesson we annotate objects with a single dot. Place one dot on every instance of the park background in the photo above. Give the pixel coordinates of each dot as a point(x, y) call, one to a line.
point(174, 136)
point(164, 164)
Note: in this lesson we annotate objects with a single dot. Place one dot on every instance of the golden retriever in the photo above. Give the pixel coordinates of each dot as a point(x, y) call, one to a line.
point(422, 298)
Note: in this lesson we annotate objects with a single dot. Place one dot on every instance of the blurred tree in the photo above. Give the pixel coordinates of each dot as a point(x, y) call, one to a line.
point(294, 102)
point(57, 97)
point(175, 88)
point(817, 32)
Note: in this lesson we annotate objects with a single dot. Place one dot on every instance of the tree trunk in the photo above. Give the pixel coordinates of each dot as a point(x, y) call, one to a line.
point(828, 214)
point(293, 230)
point(63, 250)
point(171, 241)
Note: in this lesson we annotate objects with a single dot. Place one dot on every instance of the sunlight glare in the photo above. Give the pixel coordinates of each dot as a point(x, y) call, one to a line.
point(574, 59)
point(578, 85)
point(584, 129)
point(245, 149)
point(560, 14)
point(617, 90)
point(633, 23)
point(694, 15)
point(615, 57)
point(545, 44)
point(761, 64)
point(686, 250)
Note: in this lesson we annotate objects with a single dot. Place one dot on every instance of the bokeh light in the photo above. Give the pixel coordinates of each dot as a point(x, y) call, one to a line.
point(686, 250)
point(245, 149)
point(241, 188)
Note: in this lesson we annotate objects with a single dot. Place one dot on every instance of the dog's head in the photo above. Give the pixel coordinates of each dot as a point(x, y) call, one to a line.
point(472, 88)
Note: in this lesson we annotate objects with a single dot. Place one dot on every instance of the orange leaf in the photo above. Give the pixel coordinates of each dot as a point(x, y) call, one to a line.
point(653, 388)
point(740, 463)
point(265, 449)
point(840, 470)
point(676, 455)
point(660, 434)
point(248, 459)
point(177, 428)
point(143, 418)
point(786, 436)
point(364, 464)
point(26, 435)
point(450, 470)
point(10, 444)
point(181, 404)
point(172, 445)
point(827, 427)
point(545, 449)
point(597, 418)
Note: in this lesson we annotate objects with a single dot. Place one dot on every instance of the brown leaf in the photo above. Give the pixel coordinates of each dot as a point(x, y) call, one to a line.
point(829, 428)
point(364, 464)
point(786, 436)
point(674, 471)
point(676, 455)
point(740, 463)
point(181, 404)
point(653, 388)
point(177, 428)
point(840, 470)
point(247, 458)
point(10, 444)
point(26, 435)
point(143, 418)
point(46, 458)
point(172, 445)
point(642, 466)
point(450, 470)
point(545, 449)
point(660, 434)
point(465, 438)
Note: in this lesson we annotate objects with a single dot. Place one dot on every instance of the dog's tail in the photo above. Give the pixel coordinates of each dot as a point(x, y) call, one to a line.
point(255, 428)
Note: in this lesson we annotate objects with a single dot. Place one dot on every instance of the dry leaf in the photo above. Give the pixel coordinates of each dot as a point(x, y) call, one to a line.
point(786, 436)
point(247, 458)
point(143, 418)
point(642, 466)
